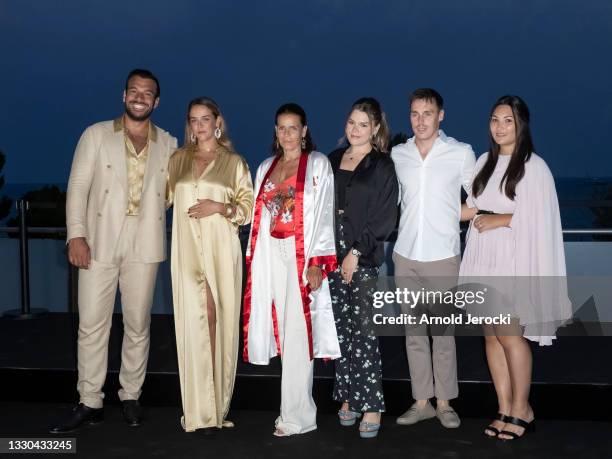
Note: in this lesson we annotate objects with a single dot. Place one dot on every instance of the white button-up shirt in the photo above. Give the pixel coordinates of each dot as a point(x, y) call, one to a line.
point(430, 196)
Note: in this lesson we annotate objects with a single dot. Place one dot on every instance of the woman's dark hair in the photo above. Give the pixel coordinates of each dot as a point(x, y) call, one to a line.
point(371, 107)
point(521, 154)
point(292, 109)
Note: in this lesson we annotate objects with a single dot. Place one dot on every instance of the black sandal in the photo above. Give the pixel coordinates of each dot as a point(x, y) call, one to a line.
point(500, 417)
point(528, 426)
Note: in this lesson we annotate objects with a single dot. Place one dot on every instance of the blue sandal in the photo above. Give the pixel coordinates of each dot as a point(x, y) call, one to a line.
point(368, 429)
point(347, 417)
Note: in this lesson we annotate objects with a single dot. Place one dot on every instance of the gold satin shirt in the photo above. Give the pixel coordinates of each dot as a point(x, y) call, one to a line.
point(206, 253)
point(136, 166)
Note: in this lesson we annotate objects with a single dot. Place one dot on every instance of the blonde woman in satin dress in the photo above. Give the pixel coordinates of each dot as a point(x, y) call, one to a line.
point(212, 192)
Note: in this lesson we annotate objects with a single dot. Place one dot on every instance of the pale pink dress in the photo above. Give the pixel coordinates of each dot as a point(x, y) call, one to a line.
point(490, 253)
point(529, 254)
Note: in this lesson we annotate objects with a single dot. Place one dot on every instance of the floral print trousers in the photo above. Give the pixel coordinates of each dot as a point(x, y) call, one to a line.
point(359, 370)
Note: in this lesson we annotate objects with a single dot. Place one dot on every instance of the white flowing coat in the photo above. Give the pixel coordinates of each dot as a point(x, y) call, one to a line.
point(315, 245)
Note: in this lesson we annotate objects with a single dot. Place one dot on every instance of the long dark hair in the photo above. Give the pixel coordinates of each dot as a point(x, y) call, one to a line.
point(292, 109)
point(521, 154)
point(371, 107)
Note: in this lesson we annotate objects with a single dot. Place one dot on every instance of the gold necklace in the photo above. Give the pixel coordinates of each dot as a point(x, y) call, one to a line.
point(206, 155)
point(283, 162)
point(351, 155)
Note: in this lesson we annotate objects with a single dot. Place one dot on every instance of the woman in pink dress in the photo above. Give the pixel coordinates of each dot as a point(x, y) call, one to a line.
point(515, 236)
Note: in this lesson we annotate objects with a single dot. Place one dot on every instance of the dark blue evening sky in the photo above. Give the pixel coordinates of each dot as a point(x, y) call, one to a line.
point(64, 64)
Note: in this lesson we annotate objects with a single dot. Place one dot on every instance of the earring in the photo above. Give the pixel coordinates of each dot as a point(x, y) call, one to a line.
point(218, 133)
point(192, 137)
point(303, 143)
point(277, 144)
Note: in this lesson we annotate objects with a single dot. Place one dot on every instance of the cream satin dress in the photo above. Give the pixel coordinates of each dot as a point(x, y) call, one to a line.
point(207, 250)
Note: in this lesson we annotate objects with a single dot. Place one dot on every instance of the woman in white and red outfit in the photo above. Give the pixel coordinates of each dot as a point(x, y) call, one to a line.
point(287, 305)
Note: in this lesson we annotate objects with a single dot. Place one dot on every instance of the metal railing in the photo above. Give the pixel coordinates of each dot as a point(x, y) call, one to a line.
point(62, 230)
point(26, 312)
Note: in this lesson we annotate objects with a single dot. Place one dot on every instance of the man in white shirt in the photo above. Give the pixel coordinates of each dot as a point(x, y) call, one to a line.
point(431, 169)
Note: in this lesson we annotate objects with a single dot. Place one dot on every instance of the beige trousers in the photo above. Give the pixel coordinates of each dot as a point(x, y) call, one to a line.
point(433, 372)
point(97, 290)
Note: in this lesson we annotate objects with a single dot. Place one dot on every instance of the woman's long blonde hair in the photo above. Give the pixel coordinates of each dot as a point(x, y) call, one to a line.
point(224, 140)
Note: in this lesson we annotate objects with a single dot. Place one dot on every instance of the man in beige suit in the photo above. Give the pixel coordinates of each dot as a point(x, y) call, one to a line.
point(115, 219)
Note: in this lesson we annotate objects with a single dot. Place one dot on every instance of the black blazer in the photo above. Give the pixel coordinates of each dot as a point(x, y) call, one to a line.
point(370, 205)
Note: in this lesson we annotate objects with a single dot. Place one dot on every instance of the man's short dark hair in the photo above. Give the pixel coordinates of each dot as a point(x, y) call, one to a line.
point(428, 94)
point(143, 73)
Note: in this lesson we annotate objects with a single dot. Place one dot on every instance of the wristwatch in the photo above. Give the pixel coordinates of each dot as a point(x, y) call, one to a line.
point(356, 252)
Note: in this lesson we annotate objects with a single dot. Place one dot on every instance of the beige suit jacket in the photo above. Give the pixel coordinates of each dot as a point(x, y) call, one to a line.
point(97, 197)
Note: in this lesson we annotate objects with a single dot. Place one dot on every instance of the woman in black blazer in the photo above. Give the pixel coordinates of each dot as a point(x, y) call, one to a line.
point(366, 213)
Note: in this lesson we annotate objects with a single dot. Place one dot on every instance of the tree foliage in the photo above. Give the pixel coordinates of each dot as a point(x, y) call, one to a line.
point(603, 214)
point(396, 139)
point(47, 208)
point(5, 203)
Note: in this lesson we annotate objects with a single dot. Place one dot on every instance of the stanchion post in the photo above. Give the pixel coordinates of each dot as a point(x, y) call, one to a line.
point(25, 312)
point(23, 207)
point(73, 288)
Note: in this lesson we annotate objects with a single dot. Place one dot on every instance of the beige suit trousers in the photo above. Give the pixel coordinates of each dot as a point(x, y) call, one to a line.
point(432, 372)
point(97, 290)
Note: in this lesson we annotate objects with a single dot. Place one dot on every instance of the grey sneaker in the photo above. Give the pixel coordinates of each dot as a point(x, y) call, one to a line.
point(448, 417)
point(416, 414)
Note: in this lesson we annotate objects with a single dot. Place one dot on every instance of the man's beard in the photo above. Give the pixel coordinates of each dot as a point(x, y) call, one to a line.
point(134, 117)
